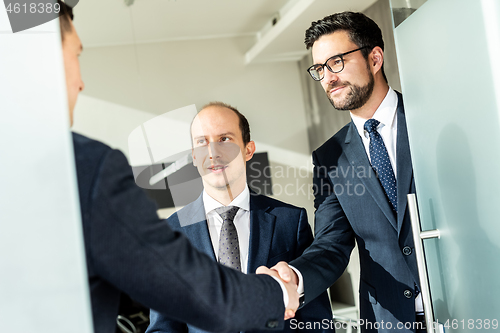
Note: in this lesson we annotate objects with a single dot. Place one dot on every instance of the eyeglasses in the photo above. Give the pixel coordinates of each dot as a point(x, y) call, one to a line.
point(334, 64)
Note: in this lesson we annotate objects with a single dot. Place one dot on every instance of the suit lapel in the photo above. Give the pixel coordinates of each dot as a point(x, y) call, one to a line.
point(197, 230)
point(403, 157)
point(261, 233)
point(356, 155)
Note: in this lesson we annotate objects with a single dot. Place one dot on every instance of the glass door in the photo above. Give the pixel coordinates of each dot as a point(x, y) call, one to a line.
point(43, 279)
point(449, 61)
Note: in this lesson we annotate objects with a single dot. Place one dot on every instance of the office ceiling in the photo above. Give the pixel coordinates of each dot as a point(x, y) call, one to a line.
point(106, 23)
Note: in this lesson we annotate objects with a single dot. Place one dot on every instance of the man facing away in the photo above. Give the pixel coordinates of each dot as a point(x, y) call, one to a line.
point(128, 249)
point(362, 176)
point(234, 225)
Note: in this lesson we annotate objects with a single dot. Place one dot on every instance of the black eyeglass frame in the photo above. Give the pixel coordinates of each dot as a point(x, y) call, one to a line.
point(341, 56)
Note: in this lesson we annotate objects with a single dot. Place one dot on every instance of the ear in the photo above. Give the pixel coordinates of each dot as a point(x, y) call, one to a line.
point(249, 150)
point(193, 156)
point(376, 59)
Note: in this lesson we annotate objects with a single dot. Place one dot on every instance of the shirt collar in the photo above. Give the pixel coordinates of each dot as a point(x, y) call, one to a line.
point(242, 201)
point(385, 113)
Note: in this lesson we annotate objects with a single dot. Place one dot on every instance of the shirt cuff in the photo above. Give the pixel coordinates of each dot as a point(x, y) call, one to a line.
point(283, 288)
point(300, 286)
point(419, 305)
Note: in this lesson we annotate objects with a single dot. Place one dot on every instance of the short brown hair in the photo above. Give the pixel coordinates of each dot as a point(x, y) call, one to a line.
point(362, 30)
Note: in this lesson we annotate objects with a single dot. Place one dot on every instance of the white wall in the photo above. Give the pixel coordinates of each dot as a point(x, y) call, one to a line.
point(160, 77)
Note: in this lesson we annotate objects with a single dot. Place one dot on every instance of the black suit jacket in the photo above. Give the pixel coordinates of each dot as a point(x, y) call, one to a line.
point(278, 232)
point(351, 206)
point(129, 249)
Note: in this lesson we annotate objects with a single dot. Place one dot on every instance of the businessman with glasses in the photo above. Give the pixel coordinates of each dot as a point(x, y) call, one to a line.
point(362, 176)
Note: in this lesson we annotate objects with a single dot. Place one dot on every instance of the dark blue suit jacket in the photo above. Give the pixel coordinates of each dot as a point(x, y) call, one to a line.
point(351, 206)
point(278, 232)
point(129, 249)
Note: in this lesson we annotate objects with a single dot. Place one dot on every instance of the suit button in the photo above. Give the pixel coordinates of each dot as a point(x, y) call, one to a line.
point(273, 323)
point(406, 250)
point(408, 293)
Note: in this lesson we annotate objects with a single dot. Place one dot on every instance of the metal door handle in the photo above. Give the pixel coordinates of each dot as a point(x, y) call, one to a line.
point(418, 237)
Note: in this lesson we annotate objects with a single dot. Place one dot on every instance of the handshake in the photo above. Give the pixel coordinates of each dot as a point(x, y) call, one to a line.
point(290, 280)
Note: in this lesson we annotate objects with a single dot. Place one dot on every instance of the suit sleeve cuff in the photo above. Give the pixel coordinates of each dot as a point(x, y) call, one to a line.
point(283, 288)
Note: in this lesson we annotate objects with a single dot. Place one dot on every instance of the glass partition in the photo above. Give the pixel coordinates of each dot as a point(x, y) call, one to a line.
point(448, 60)
point(43, 279)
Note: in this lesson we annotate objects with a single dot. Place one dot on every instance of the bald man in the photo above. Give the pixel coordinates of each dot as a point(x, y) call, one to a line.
point(262, 230)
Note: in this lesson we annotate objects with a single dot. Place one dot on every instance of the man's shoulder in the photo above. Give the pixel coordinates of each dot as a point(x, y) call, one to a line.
point(173, 221)
point(93, 158)
point(86, 148)
point(87, 143)
point(260, 201)
point(335, 143)
point(190, 214)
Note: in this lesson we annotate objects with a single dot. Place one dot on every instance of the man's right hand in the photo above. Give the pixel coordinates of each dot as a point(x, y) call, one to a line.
point(293, 295)
point(286, 273)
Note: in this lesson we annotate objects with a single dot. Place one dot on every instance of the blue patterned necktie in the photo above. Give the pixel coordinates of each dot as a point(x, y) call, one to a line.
point(229, 247)
point(381, 163)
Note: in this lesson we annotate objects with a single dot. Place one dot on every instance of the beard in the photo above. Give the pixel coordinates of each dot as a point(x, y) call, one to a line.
point(356, 97)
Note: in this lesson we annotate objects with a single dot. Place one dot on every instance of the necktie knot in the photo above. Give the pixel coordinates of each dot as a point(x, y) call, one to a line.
point(227, 212)
point(371, 125)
